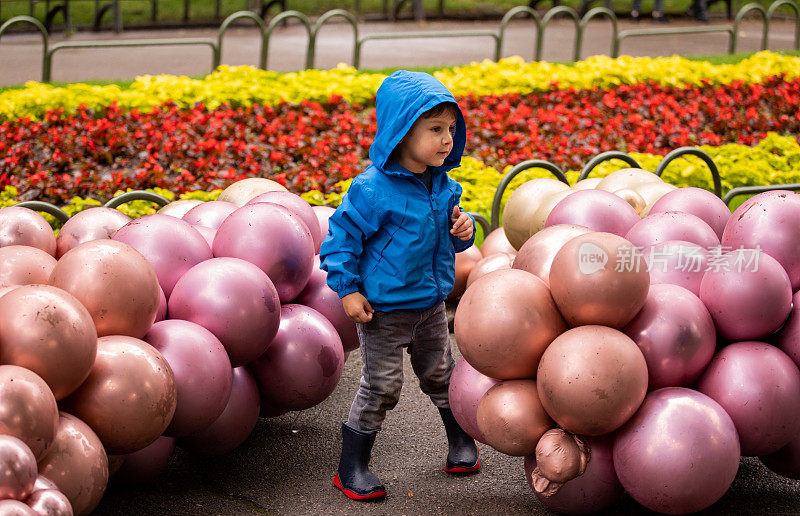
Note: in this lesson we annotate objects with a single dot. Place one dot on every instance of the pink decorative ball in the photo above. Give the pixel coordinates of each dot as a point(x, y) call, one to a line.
point(303, 364)
point(273, 238)
point(598, 210)
point(662, 227)
point(769, 222)
point(747, 293)
point(698, 202)
point(171, 245)
point(234, 300)
point(759, 387)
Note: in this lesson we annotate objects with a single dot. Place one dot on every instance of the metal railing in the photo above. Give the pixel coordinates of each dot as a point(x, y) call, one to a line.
point(606, 156)
point(732, 31)
point(312, 30)
point(752, 190)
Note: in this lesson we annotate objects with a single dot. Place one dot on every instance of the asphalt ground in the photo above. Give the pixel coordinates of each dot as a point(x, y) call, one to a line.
point(286, 466)
point(21, 54)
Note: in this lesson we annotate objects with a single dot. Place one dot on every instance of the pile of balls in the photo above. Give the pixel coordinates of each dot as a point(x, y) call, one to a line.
point(641, 339)
point(121, 338)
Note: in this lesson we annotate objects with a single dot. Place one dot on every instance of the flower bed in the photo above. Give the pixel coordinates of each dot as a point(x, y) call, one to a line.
point(311, 146)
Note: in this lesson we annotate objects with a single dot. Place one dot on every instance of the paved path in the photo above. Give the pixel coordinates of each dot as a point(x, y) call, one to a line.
point(20, 54)
point(287, 464)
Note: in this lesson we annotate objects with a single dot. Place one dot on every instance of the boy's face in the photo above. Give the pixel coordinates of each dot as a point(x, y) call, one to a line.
point(428, 143)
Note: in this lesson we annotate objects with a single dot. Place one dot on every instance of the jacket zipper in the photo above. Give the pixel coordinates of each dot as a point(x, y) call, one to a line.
point(435, 212)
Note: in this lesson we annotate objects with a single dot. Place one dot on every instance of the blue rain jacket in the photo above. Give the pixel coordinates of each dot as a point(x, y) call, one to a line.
point(390, 238)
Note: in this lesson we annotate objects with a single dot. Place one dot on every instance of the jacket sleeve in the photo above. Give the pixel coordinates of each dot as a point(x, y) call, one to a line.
point(458, 244)
point(356, 219)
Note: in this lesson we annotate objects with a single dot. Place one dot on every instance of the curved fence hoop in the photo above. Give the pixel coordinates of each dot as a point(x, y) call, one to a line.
point(481, 221)
point(42, 30)
point(747, 190)
point(549, 15)
point(48, 57)
point(46, 207)
point(516, 170)
point(226, 23)
point(136, 195)
point(594, 13)
point(771, 12)
point(312, 42)
point(693, 151)
point(738, 20)
point(606, 156)
point(511, 13)
point(285, 15)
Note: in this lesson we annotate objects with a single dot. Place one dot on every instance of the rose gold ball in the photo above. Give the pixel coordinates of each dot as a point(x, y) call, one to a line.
point(629, 178)
point(491, 263)
point(129, 397)
point(90, 224)
point(631, 197)
point(504, 322)
point(42, 482)
point(242, 191)
point(599, 278)
point(539, 217)
point(496, 242)
point(17, 468)
point(179, 208)
point(512, 418)
point(21, 226)
point(114, 282)
point(592, 379)
point(28, 409)
point(24, 265)
point(590, 183)
point(51, 502)
point(651, 193)
point(48, 331)
point(77, 464)
point(536, 255)
point(15, 508)
point(522, 205)
point(465, 262)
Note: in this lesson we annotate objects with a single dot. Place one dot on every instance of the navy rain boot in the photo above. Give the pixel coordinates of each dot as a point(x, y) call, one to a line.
point(463, 454)
point(353, 476)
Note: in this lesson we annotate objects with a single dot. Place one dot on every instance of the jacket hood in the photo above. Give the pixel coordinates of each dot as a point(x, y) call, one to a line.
point(401, 99)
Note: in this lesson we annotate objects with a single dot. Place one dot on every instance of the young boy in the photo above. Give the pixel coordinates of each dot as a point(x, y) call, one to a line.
point(390, 255)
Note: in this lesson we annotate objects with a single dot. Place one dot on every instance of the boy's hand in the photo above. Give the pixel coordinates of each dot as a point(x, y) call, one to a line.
point(462, 224)
point(357, 307)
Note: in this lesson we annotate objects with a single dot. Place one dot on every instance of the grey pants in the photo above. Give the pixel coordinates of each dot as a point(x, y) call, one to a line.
point(382, 340)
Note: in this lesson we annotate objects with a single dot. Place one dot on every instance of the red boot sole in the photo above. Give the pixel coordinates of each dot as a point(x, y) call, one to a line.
point(354, 496)
point(461, 470)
